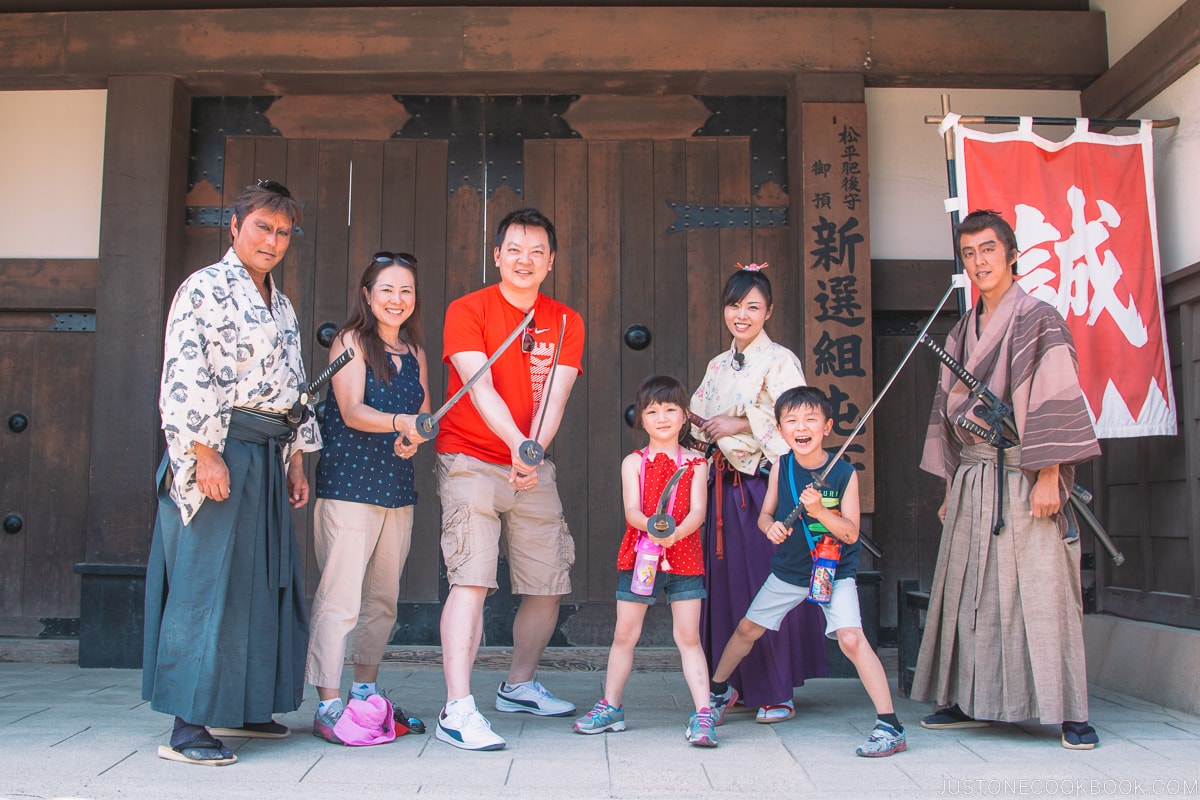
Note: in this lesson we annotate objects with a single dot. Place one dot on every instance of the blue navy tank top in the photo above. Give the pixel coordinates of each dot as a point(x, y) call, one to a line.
point(361, 467)
point(792, 562)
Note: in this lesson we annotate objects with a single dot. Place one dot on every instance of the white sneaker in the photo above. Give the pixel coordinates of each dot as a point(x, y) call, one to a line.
point(532, 698)
point(467, 729)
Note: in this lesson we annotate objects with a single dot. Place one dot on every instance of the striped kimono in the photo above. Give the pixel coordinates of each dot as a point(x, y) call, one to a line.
point(1004, 632)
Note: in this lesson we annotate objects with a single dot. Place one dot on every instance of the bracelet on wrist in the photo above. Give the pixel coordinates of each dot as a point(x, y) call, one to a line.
point(394, 428)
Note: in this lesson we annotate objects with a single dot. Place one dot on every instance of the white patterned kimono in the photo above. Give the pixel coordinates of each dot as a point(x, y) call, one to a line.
point(769, 370)
point(225, 348)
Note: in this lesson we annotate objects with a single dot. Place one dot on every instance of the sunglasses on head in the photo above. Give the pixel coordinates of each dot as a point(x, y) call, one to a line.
point(274, 186)
point(384, 257)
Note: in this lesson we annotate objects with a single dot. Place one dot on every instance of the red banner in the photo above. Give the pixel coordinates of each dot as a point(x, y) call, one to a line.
point(1083, 211)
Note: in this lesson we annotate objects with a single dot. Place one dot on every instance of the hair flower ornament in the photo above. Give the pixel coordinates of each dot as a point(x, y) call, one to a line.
point(752, 267)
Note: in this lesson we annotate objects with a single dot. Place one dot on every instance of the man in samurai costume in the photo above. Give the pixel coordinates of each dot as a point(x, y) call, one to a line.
point(226, 628)
point(1004, 632)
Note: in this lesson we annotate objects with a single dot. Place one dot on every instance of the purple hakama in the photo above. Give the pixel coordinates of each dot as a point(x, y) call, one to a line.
point(781, 660)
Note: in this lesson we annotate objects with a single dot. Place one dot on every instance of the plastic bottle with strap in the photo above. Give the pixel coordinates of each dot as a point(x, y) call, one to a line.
point(649, 552)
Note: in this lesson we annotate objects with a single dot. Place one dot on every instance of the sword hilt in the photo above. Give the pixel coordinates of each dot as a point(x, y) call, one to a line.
point(427, 424)
point(531, 452)
point(972, 383)
point(297, 413)
point(660, 526)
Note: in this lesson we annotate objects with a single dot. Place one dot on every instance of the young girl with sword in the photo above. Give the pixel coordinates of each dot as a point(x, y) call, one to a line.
point(660, 484)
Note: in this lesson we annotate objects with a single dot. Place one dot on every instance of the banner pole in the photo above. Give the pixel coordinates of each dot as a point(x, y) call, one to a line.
point(952, 185)
point(934, 119)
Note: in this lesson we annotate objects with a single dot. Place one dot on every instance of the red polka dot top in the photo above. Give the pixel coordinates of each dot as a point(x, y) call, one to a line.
point(685, 557)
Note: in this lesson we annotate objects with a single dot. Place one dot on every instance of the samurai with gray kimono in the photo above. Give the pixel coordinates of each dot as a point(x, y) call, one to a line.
point(1004, 632)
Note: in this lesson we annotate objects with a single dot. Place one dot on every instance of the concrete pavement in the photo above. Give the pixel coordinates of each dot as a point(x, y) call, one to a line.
point(68, 732)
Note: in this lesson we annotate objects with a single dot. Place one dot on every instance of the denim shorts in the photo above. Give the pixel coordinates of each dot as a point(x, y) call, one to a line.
point(675, 587)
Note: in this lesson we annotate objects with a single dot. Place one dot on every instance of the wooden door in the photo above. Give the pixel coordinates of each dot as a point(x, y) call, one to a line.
point(626, 256)
point(47, 319)
point(359, 197)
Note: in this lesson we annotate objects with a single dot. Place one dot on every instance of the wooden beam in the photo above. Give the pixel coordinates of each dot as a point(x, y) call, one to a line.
point(161, 5)
point(452, 50)
point(67, 284)
point(1166, 54)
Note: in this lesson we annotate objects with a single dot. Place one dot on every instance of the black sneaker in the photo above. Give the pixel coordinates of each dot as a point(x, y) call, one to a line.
point(952, 717)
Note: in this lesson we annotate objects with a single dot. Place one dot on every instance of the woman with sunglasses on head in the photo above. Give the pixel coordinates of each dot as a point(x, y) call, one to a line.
point(362, 525)
point(736, 400)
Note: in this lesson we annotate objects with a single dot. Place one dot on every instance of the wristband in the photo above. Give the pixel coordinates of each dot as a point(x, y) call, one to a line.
point(394, 429)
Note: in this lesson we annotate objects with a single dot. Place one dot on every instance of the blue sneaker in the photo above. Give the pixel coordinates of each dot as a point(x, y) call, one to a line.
point(883, 741)
point(603, 717)
point(720, 703)
point(701, 729)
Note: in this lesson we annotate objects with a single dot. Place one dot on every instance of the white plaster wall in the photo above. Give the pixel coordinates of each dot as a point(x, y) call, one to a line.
point(1129, 21)
point(907, 160)
point(1176, 168)
point(51, 168)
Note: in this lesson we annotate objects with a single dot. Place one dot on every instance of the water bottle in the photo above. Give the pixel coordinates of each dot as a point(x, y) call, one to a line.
point(825, 561)
point(645, 566)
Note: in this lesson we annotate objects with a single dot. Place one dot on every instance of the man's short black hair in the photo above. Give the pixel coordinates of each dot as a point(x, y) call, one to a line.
point(527, 217)
point(800, 396)
point(983, 219)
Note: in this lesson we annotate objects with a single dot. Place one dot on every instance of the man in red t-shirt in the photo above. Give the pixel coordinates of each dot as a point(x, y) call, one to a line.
point(484, 486)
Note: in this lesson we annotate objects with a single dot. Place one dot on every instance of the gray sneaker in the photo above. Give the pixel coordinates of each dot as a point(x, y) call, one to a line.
point(701, 729)
point(883, 741)
point(323, 723)
point(603, 717)
point(720, 703)
point(532, 698)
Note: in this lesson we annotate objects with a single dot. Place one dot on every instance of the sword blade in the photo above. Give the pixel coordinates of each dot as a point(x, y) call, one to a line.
point(466, 387)
point(954, 284)
point(562, 329)
point(666, 495)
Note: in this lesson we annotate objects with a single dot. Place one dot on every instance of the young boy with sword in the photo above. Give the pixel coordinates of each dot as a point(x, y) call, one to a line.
point(821, 490)
point(511, 411)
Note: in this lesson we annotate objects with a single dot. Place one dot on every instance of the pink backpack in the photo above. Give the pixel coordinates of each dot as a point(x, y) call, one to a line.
point(367, 722)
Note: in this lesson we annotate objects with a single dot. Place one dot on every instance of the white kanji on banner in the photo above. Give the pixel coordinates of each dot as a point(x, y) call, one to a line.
point(1083, 212)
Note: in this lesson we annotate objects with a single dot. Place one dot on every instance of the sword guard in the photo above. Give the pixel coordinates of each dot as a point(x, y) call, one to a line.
point(660, 526)
point(532, 453)
point(427, 425)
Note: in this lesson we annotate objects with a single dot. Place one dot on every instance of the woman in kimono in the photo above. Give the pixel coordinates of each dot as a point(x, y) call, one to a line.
point(1004, 632)
point(736, 398)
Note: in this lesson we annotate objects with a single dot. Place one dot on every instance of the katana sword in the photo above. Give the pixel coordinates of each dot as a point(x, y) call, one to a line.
point(764, 468)
point(531, 450)
point(662, 523)
point(764, 464)
point(957, 281)
point(992, 410)
point(427, 424)
point(298, 413)
point(1080, 497)
point(868, 543)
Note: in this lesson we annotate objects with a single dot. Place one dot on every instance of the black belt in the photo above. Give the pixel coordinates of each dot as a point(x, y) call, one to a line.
point(266, 427)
